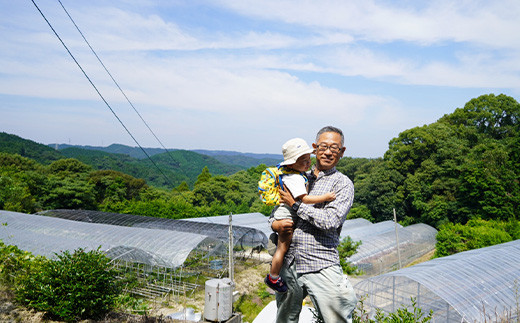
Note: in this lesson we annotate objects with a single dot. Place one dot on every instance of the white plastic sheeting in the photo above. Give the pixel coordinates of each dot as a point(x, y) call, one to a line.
point(367, 230)
point(378, 252)
point(243, 236)
point(46, 236)
point(255, 220)
point(480, 285)
point(259, 222)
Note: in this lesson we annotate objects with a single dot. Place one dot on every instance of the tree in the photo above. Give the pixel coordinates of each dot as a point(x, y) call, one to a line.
point(15, 196)
point(69, 193)
point(379, 191)
point(204, 176)
point(113, 186)
point(497, 117)
point(70, 166)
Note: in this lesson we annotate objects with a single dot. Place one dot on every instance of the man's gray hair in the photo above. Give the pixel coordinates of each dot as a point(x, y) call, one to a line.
point(331, 129)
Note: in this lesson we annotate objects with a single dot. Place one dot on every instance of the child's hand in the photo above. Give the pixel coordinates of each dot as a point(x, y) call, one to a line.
point(331, 196)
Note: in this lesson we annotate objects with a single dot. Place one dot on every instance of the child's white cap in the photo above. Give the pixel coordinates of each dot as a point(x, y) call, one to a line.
point(293, 149)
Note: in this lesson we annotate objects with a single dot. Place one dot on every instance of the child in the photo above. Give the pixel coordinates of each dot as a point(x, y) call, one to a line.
point(297, 157)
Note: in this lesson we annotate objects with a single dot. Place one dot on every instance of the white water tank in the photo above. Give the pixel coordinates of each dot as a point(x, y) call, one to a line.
point(218, 305)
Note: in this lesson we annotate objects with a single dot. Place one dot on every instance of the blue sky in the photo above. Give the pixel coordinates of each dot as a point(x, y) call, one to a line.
point(249, 75)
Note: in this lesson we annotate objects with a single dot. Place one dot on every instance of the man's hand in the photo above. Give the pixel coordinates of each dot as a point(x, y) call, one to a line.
point(283, 226)
point(286, 196)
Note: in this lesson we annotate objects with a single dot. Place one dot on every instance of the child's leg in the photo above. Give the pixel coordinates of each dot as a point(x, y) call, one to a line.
point(284, 241)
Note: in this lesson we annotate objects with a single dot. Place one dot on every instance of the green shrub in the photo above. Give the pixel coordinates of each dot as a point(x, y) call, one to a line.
point(72, 287)
point(346, 249)
point(402, 315)
point(454, 238)
point(16, 263)
point(249, 305)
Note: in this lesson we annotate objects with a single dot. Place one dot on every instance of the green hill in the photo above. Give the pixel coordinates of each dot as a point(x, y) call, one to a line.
point(13, 144)
point(244, 160)
point(135, 152)
point(177, 166)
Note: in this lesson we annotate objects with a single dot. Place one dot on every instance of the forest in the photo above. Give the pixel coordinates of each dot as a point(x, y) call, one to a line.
point(459, 174)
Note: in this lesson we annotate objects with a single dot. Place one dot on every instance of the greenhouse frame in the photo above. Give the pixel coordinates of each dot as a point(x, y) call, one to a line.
point(43, 235)
point(165, 262)
point(255, 220)
point(480, 285)
point(383, 249)
point(242, 236)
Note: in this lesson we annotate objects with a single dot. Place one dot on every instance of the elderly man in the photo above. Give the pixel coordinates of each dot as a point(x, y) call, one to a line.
point(311, 265)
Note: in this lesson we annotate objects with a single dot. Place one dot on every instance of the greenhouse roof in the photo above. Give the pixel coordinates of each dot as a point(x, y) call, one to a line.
point(242, 235)
point(360, 230)
point(43, 235)
point(474, 286)
point(259, 221)
point(256, 221)
point(378, 253)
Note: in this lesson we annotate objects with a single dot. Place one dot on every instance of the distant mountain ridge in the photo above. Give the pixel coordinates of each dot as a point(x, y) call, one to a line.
point(245, 160)
point(165, 171)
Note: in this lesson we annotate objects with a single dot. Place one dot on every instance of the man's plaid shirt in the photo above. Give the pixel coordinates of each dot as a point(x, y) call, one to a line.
point(316, 236)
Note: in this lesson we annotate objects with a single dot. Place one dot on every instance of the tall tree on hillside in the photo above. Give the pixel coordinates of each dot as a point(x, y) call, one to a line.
point(461, 167)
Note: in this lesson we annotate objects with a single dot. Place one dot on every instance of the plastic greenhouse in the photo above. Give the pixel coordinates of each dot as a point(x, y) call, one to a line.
point(480, 285)
point(259, 221)
point(256, 221)
point(46, 236)
point(360, 232)
point(163, 260)
point(353, 224)
point(242, 235)
point(378, 252)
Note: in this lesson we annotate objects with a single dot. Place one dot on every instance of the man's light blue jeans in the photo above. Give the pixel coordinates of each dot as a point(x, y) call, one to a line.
point(329, 290)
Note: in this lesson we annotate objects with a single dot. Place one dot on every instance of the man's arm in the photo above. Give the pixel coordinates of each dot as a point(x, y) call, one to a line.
point(332, 216)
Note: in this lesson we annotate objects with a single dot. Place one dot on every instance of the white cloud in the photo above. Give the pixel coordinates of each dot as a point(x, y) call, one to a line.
point(212, 85)
point(490, 23)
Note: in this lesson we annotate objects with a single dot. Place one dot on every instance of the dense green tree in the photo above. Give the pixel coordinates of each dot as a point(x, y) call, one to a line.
point(204, 176)
point(379, 191)
point(490, 184)
point(496, 117)
point(463, 166)
point(15, 196)
point(69, 193)
point(183, 187)
point(112, 186)
point(68, 167)
point(453, 238)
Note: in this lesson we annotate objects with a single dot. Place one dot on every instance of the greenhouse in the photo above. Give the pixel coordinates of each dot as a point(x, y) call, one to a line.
point(43, 235)
point(480, 285)
point(352, 224)
point(242, 236)
point(256, 221)
point(379, 252)
point(259, 221)
point(364, 229)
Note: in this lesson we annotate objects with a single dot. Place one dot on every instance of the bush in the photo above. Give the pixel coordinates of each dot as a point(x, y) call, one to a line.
point(72, 287)
point(403, 314)
point(347, 248)
point(454, 238)
point(16, 263)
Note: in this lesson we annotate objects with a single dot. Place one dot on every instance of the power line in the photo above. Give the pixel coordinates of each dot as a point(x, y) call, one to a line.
point(115, 82)
point(99, 93)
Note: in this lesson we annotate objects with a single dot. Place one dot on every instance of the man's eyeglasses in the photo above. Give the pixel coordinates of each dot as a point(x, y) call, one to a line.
point(333, 148)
